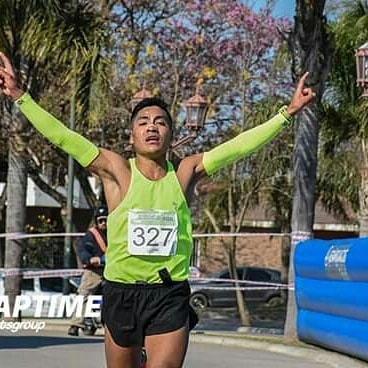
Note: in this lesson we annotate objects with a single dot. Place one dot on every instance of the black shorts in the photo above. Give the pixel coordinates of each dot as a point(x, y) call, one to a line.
point(133, 311)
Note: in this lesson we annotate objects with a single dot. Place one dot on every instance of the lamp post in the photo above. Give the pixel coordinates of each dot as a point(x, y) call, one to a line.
point(195, 117)
point(362, 81)
point(361, 55)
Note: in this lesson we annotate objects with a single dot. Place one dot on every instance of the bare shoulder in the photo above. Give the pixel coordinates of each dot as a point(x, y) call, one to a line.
point(109, 164)
point(190, 169)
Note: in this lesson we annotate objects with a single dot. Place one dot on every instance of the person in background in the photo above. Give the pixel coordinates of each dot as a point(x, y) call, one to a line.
point(91, 253)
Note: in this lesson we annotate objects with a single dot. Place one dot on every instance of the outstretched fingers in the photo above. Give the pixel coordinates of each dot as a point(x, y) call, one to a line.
point(300, 87)
point(3, 76)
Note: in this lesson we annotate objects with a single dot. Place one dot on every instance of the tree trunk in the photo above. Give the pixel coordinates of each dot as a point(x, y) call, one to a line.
point(242, 308)
point(2, 215)
point(311, 52)
point(363, 193)
point(285, 259)
point(15, 215)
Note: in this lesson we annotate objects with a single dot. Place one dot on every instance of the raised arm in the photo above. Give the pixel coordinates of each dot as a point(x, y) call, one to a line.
point(69, 141)
point(251, 140)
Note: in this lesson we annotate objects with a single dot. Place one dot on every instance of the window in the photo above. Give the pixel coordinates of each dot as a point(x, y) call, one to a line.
point(52, 284)
point(258, 275)
point(226, 275)
point(27, 284)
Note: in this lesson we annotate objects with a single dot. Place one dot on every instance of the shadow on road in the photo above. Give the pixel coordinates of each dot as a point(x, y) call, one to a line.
point(35, 342)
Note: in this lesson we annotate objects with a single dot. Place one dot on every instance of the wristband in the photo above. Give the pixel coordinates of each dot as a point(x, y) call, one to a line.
point(288, 118)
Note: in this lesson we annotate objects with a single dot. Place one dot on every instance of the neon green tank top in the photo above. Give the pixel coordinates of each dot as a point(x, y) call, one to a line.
point(147, 195)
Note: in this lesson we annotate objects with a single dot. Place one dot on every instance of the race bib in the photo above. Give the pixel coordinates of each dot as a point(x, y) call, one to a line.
point(152, 232)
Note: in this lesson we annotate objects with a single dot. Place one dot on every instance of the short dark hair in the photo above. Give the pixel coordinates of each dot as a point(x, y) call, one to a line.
point(151, 101)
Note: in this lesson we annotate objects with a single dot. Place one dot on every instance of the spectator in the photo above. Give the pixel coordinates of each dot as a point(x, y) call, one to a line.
point(91, 253)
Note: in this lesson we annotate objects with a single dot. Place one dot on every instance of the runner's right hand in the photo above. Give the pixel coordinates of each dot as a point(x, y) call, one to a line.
point(8, 83)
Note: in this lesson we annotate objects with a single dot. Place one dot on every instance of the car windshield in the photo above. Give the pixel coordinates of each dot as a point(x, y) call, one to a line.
point(56, 284)
point(249, 273)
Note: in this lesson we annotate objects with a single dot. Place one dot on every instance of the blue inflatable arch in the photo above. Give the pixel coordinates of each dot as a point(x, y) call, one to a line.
point(331, 288)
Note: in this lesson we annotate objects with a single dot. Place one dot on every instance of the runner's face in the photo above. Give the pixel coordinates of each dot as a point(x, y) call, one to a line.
point(151, 132)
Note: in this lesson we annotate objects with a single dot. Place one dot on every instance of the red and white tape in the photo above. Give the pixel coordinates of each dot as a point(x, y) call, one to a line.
point(30, 274)
point(15, 236)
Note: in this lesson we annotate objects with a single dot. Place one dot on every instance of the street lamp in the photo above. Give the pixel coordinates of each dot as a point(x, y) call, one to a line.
point(361, 55)
point(195, 117)
point(196, 112)
point(362, 80)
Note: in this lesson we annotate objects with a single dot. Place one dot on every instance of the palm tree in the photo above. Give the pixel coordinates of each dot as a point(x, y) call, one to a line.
point(310, 50)
point(66, 31)
point(345, 107)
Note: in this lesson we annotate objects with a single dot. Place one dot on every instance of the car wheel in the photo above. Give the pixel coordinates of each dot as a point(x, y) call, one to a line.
point(198, 301)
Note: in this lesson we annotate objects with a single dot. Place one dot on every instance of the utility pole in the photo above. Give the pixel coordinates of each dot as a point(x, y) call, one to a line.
point(70, 192)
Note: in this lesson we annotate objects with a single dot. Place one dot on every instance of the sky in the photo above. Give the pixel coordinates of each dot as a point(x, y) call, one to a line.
point(286, 8)
point(283, 8)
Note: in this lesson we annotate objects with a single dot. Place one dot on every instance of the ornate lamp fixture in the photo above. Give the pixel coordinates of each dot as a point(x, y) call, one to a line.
point(196, 112)
point(195, 117)
point(362, 68)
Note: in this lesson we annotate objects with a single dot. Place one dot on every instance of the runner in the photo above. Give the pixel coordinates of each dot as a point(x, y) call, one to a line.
point(146, 297)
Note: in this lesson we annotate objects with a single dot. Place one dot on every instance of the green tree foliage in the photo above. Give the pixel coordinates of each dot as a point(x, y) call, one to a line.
point(35, 74)
point(42, 252)
point(344, 129)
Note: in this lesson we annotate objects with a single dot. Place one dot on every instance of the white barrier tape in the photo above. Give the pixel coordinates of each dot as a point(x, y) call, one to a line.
point(245, 282)
point(28, 274)
point(15, 236)
point(298, 236)
point(9, 235)
point(236, 235)
point(196, 288)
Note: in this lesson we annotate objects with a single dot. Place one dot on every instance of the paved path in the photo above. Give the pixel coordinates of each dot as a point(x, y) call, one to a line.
point(213, 344)
point(54, 349)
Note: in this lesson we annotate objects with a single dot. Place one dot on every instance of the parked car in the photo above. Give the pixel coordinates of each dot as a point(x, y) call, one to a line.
point(221, 293)
point(47, 286)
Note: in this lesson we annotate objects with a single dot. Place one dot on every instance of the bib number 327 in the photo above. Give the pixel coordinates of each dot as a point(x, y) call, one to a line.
point(152, 232)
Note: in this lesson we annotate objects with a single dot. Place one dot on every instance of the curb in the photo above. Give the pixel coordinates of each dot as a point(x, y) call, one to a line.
point(310, 352)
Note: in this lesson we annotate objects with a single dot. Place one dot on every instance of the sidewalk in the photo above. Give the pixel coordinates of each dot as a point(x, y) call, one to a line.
point(265, 342)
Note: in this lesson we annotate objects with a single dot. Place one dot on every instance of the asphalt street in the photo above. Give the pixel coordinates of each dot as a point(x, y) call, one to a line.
point(217, 341)
point(54, 349)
